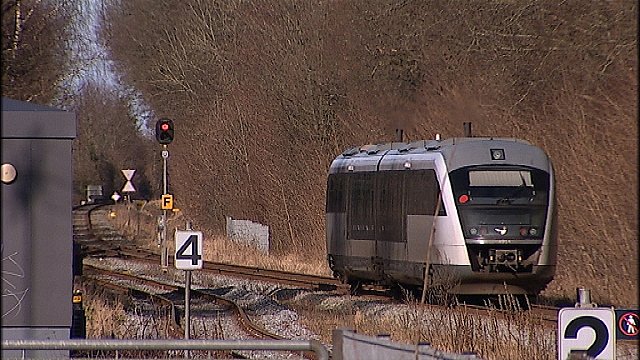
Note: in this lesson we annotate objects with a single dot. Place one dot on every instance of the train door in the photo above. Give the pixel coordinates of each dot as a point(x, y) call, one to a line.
point(405, 204)
point(390, 211)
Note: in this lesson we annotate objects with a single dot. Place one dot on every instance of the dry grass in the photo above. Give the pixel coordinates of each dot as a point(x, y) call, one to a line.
point(518, 336)
point(562, 75)
point(139, 222)
point(117, 317)
point(255, 142)
point(105, 318)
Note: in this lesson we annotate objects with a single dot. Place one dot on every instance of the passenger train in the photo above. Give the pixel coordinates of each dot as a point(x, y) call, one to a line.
point(477, 212)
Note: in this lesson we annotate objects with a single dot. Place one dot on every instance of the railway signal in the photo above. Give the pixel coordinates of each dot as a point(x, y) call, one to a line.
point(164, 135)
point(164, 131)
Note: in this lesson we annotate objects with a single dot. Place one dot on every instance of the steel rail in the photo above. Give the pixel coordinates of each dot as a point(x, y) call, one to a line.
point(306, 281)
point(244, 320)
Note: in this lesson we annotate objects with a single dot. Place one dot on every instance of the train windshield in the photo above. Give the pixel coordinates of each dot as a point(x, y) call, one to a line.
point(501, 202)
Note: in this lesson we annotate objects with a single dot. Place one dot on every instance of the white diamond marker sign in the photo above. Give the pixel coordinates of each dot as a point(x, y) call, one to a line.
point(128, 186)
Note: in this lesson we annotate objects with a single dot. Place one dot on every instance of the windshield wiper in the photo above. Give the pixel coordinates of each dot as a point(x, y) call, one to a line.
point(506, 200)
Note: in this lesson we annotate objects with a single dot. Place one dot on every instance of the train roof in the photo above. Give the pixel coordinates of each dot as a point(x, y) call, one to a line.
point(458, 152)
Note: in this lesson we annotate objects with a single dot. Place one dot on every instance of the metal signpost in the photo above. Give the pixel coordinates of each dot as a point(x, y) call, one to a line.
point(164, 135)
point(164, 250)
point(188, 257)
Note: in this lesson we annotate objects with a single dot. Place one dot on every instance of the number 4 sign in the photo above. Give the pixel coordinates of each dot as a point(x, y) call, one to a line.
point(188, 250)
point(587, 329)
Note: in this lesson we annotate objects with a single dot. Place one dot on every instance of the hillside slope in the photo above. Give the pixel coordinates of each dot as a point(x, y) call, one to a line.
point(265, 93)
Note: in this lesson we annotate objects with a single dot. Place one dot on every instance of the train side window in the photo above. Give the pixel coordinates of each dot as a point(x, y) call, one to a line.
point(422, 193)
point(390, 210)
point(336, 188)
point(361, 207)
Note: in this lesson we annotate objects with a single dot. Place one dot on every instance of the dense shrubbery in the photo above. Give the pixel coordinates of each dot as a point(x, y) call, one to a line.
point(265, 93)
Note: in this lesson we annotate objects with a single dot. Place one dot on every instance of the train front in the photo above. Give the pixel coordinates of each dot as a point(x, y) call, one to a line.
point(505, 198)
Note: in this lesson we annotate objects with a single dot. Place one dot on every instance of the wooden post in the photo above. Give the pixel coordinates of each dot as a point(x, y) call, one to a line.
point(426, 262)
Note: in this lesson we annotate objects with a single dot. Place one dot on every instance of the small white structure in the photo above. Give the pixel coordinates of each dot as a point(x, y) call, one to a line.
point(94, 192)
point(249, 232)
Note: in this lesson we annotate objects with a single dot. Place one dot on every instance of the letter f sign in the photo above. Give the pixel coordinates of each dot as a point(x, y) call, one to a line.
point(167, 202)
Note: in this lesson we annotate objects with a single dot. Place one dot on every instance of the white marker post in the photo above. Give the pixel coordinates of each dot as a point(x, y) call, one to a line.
point(188, 257)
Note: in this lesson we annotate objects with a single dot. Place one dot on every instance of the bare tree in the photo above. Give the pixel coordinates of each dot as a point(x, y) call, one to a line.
point(33, 33)
point(266, 93)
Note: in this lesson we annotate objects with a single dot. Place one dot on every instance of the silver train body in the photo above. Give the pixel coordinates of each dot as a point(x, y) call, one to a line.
point(481, 209)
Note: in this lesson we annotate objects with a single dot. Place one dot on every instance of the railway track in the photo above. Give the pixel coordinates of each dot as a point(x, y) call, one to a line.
point(92, 239)
point(98, 241)
point(174, 297)
point(113, 282)
point(122, 248)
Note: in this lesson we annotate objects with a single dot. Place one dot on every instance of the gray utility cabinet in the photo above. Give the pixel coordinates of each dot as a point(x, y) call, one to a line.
point(37, 223)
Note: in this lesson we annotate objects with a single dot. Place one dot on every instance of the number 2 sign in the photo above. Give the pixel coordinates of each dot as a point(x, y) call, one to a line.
point(188, 250)
point(587, 329)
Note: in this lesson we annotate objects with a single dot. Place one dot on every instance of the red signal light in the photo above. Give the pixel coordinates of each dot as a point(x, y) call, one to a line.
point(463, 198)
point(164, 131)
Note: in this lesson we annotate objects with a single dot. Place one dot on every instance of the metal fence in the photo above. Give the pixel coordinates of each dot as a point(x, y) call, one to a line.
point(143, 345)
point(348, 345)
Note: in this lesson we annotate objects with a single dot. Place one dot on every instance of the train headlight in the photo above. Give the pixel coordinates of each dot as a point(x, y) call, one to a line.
point(528, 231)
point(473, 231)
point(497, 154)
point(407, 165)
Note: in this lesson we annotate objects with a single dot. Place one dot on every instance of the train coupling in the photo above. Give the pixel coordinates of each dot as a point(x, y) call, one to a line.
point(504, 257)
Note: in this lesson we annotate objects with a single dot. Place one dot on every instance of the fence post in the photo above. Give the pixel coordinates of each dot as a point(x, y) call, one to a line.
point(337, 338)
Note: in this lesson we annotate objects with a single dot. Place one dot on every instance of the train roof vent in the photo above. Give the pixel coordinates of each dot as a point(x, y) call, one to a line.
point(405, 147)
point(352, 151)
point(370, 149)
point(432, 145)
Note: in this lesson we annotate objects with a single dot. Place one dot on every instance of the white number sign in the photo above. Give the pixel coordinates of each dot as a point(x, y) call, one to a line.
point(587, 329)
point(188, 250)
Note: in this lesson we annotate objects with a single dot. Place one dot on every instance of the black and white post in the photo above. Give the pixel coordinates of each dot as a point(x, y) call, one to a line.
point(164, 250)
point(188, 257)
point(164, 135)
